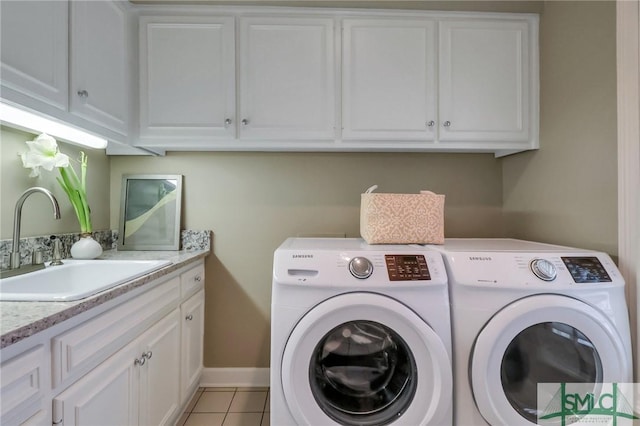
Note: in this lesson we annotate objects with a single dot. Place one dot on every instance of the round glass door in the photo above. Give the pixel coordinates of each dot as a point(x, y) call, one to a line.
point(541, 339)
point(549, 352)
point(366, 359)
point(362, 373)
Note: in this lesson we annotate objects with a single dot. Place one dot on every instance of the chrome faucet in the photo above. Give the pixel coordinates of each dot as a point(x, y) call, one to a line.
point(14, 260)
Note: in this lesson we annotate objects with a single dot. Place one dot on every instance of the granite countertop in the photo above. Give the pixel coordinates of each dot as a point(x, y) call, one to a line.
point(19, 320)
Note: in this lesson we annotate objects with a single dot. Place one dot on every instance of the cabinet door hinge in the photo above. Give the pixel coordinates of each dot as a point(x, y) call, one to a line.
point(57, 413)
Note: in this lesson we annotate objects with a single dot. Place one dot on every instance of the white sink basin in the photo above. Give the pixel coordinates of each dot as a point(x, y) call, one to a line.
point(74, 280)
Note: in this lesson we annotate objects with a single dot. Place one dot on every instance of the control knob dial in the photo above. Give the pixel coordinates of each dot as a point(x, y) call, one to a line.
point(360, 267)
point(543, 269)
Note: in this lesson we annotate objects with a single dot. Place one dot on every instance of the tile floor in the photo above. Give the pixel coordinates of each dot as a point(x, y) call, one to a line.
point(227, 407)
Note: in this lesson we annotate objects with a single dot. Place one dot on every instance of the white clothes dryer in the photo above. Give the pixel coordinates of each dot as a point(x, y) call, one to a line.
point(525, 313)
point(360, 335)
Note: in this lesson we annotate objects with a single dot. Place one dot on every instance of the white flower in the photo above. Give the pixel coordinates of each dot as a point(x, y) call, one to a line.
point(43, 152)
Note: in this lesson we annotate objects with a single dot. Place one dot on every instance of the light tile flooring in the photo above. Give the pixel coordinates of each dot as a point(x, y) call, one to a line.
point(227, 407)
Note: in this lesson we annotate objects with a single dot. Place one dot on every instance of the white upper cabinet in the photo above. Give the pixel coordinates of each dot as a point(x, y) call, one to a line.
point(389, 79)
point(69, 60)
point(34, 54)
point(187, 80)
point(99, 65)
point(276, 78)
point(287, 75)
point(488, 86)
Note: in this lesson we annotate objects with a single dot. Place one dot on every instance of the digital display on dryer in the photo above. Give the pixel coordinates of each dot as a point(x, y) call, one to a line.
point(586, 270)
point(403, 267)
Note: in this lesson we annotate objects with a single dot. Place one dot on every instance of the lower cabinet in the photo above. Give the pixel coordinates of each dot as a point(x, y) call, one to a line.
point(137, 385)
point(192, 316)
point(137, 363)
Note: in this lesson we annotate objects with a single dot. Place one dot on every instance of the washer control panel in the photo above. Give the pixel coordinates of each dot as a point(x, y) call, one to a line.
point(586, 269)
point(407, 267)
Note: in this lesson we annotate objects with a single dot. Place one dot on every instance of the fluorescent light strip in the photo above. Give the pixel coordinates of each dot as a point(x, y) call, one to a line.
point(15, 117)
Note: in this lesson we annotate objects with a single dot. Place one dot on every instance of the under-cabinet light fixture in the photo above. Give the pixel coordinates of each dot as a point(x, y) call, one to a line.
point(25, 120)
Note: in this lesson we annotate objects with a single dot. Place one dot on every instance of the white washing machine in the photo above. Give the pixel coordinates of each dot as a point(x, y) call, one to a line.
point(525, 313)
point(360, 335)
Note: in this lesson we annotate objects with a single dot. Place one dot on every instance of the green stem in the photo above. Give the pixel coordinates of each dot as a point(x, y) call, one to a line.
point(75, 190)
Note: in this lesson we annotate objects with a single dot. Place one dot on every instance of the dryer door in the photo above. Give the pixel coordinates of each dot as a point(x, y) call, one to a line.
point(542, 339)
point(366, 359)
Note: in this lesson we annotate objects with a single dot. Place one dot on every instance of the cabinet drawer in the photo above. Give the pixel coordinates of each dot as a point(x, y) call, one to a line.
point(192, 280)
point(24, 382)
point(80, 349)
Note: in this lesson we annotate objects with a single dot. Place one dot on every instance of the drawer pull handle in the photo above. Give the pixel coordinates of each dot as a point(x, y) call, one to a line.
point(140, 361)
point(197, 278)
point(189, 317)
point(147, 355)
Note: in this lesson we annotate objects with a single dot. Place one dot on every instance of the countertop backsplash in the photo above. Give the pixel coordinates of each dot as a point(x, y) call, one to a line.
point(189, 240)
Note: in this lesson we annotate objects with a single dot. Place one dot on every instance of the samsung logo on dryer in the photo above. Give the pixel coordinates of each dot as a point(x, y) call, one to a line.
point(481, 258)
point(302, 256)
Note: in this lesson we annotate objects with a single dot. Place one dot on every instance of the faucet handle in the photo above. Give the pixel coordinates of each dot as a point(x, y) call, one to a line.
point(56, 257)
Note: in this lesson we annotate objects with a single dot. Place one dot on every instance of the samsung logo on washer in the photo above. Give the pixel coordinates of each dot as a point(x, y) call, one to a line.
point(481, 258)
point(302, 256)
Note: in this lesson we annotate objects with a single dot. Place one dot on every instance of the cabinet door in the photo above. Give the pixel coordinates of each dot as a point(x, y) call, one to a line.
point(287, 78)
point(26, 380)
point(34, 53)
point(187, 79)
point(99, 66)
point(160, 375)
point(388, 79)
point(484, 81)
point(108, 395)
point(192, 316)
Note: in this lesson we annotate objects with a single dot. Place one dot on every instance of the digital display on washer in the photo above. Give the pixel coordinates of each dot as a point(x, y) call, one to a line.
point(407, 267)
point(586, 270)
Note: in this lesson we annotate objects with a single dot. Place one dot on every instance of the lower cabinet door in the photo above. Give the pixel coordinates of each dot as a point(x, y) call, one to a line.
point(138, 385)
point(108, 395)
point(192, 343)
point(160, 375)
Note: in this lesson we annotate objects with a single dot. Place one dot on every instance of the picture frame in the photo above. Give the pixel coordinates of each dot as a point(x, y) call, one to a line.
point(150, 209)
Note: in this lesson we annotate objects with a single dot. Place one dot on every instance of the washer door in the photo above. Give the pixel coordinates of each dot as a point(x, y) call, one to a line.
point(365, 359)
point(541, 339)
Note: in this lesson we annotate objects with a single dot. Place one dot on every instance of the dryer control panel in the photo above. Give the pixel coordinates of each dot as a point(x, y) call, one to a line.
point(533, 270)
point(586, 269)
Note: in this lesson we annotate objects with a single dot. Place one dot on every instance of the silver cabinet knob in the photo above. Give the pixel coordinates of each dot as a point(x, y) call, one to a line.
point(197, 278)
point(140, 361)
point(227, 122)
point(431, 123)
point(447, 124)
point(147, 355)
point(189, 317)
point(83, 93)
point(244, 121)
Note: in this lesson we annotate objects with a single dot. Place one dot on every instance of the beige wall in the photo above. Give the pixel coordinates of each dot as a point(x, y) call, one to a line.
point(37, 213)
point(566, 192)
point(253, 201)
point(563, 193)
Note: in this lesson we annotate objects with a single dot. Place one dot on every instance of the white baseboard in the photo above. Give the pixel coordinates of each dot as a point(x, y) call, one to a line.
point(235, 377)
